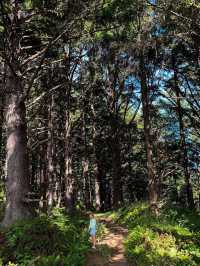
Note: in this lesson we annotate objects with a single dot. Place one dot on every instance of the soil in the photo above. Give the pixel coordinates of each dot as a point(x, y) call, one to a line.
point(113, 241)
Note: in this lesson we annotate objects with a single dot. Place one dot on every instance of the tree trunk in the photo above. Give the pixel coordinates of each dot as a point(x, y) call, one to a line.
point(44, 180)
point(101, 195)
point(1, 133)
point(17, 166)
point(69, 177)
point(87, 198)
point(151, 171)
point(183, 148)
point(99, 176)
point(117, 189)
point(17, 176)
point(85, 165)
point(51, 171)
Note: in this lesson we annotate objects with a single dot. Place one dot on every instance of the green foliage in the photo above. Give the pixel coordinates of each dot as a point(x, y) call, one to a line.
point(54, 240)
point(101, 231)
point(170, 239)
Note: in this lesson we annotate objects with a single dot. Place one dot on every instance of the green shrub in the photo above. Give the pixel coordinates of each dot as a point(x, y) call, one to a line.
point(54, 240)
point(172, 239)
point(101, 230)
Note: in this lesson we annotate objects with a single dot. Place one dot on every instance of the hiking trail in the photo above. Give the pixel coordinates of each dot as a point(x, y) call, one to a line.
point(112, 241)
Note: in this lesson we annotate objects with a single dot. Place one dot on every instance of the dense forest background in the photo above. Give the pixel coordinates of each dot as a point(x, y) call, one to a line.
point(99, 105)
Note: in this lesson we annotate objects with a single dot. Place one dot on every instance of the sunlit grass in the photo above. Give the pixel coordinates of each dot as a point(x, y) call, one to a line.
point(170, 239)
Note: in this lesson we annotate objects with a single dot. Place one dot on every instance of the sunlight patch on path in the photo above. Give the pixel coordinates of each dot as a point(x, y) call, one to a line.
point(114, 241)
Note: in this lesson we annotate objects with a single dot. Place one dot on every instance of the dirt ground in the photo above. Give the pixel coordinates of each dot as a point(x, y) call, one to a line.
point(114, 242)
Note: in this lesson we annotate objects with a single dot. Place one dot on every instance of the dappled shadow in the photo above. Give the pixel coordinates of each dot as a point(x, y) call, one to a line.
point(99, 256)
point(110, 251)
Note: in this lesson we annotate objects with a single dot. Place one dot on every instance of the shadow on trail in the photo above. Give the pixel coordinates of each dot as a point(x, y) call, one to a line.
point(110, 251)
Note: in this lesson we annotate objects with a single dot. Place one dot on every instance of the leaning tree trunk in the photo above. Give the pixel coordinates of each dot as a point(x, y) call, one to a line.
point(151, 171)
point(17, 176)
point(183, 148)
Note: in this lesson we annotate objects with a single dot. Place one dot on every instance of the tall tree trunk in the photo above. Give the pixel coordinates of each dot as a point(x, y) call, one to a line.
point(1, 132)
point(69, 177)
point(51, 154)
point(44, 156)
point(151, 171)
point(117, 188)
point(85, 161)
point(44, 180)
point(17, 176)
point(99, 176)
point(101, 194)
point(183, 148)
point(99, 200)
point(17, 166)
point(97, 166)
point(87, 192)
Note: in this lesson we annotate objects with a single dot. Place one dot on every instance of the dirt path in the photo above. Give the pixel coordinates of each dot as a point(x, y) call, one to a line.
point(113, 241)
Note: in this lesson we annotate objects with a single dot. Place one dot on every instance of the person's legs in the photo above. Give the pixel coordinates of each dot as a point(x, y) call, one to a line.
point(94, 241)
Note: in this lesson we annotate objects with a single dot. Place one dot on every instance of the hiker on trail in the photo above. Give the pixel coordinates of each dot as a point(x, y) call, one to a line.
point(92, 230)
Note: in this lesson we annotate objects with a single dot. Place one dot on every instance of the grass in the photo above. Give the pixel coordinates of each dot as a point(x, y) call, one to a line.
point(172, 239)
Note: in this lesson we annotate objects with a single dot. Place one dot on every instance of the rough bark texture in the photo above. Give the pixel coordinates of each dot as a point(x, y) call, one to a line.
point(151, 171)
point(51, 154)
point(87, 192)
point(17, 176)
point(69, 177)
point(1, 131)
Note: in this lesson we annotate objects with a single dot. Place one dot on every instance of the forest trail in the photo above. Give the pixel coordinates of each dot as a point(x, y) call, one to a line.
point(112, 241)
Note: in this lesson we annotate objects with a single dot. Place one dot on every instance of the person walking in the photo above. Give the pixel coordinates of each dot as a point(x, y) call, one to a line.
point(92, 230)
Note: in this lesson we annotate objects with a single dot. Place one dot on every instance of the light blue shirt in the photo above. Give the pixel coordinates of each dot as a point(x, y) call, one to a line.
point(93, 224)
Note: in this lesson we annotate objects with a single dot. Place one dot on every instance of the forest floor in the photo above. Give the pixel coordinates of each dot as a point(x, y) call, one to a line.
point(110, 250)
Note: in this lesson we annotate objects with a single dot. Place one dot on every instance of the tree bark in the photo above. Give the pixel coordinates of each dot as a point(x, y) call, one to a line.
point(17, 168)
point(151, 171)
point(98, 173)
point(117, 186)
point(1, 132)
point(69, 177)
point(87, 192)
point(51, 171)
point(85, 165)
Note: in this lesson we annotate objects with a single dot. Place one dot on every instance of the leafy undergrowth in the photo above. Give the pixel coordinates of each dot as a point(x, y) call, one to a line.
point(101, 231)
point(55, 240)
point(171, 239)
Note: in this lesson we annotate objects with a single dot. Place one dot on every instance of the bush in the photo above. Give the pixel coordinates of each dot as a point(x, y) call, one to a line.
point(171, 239)
point(54, 240)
